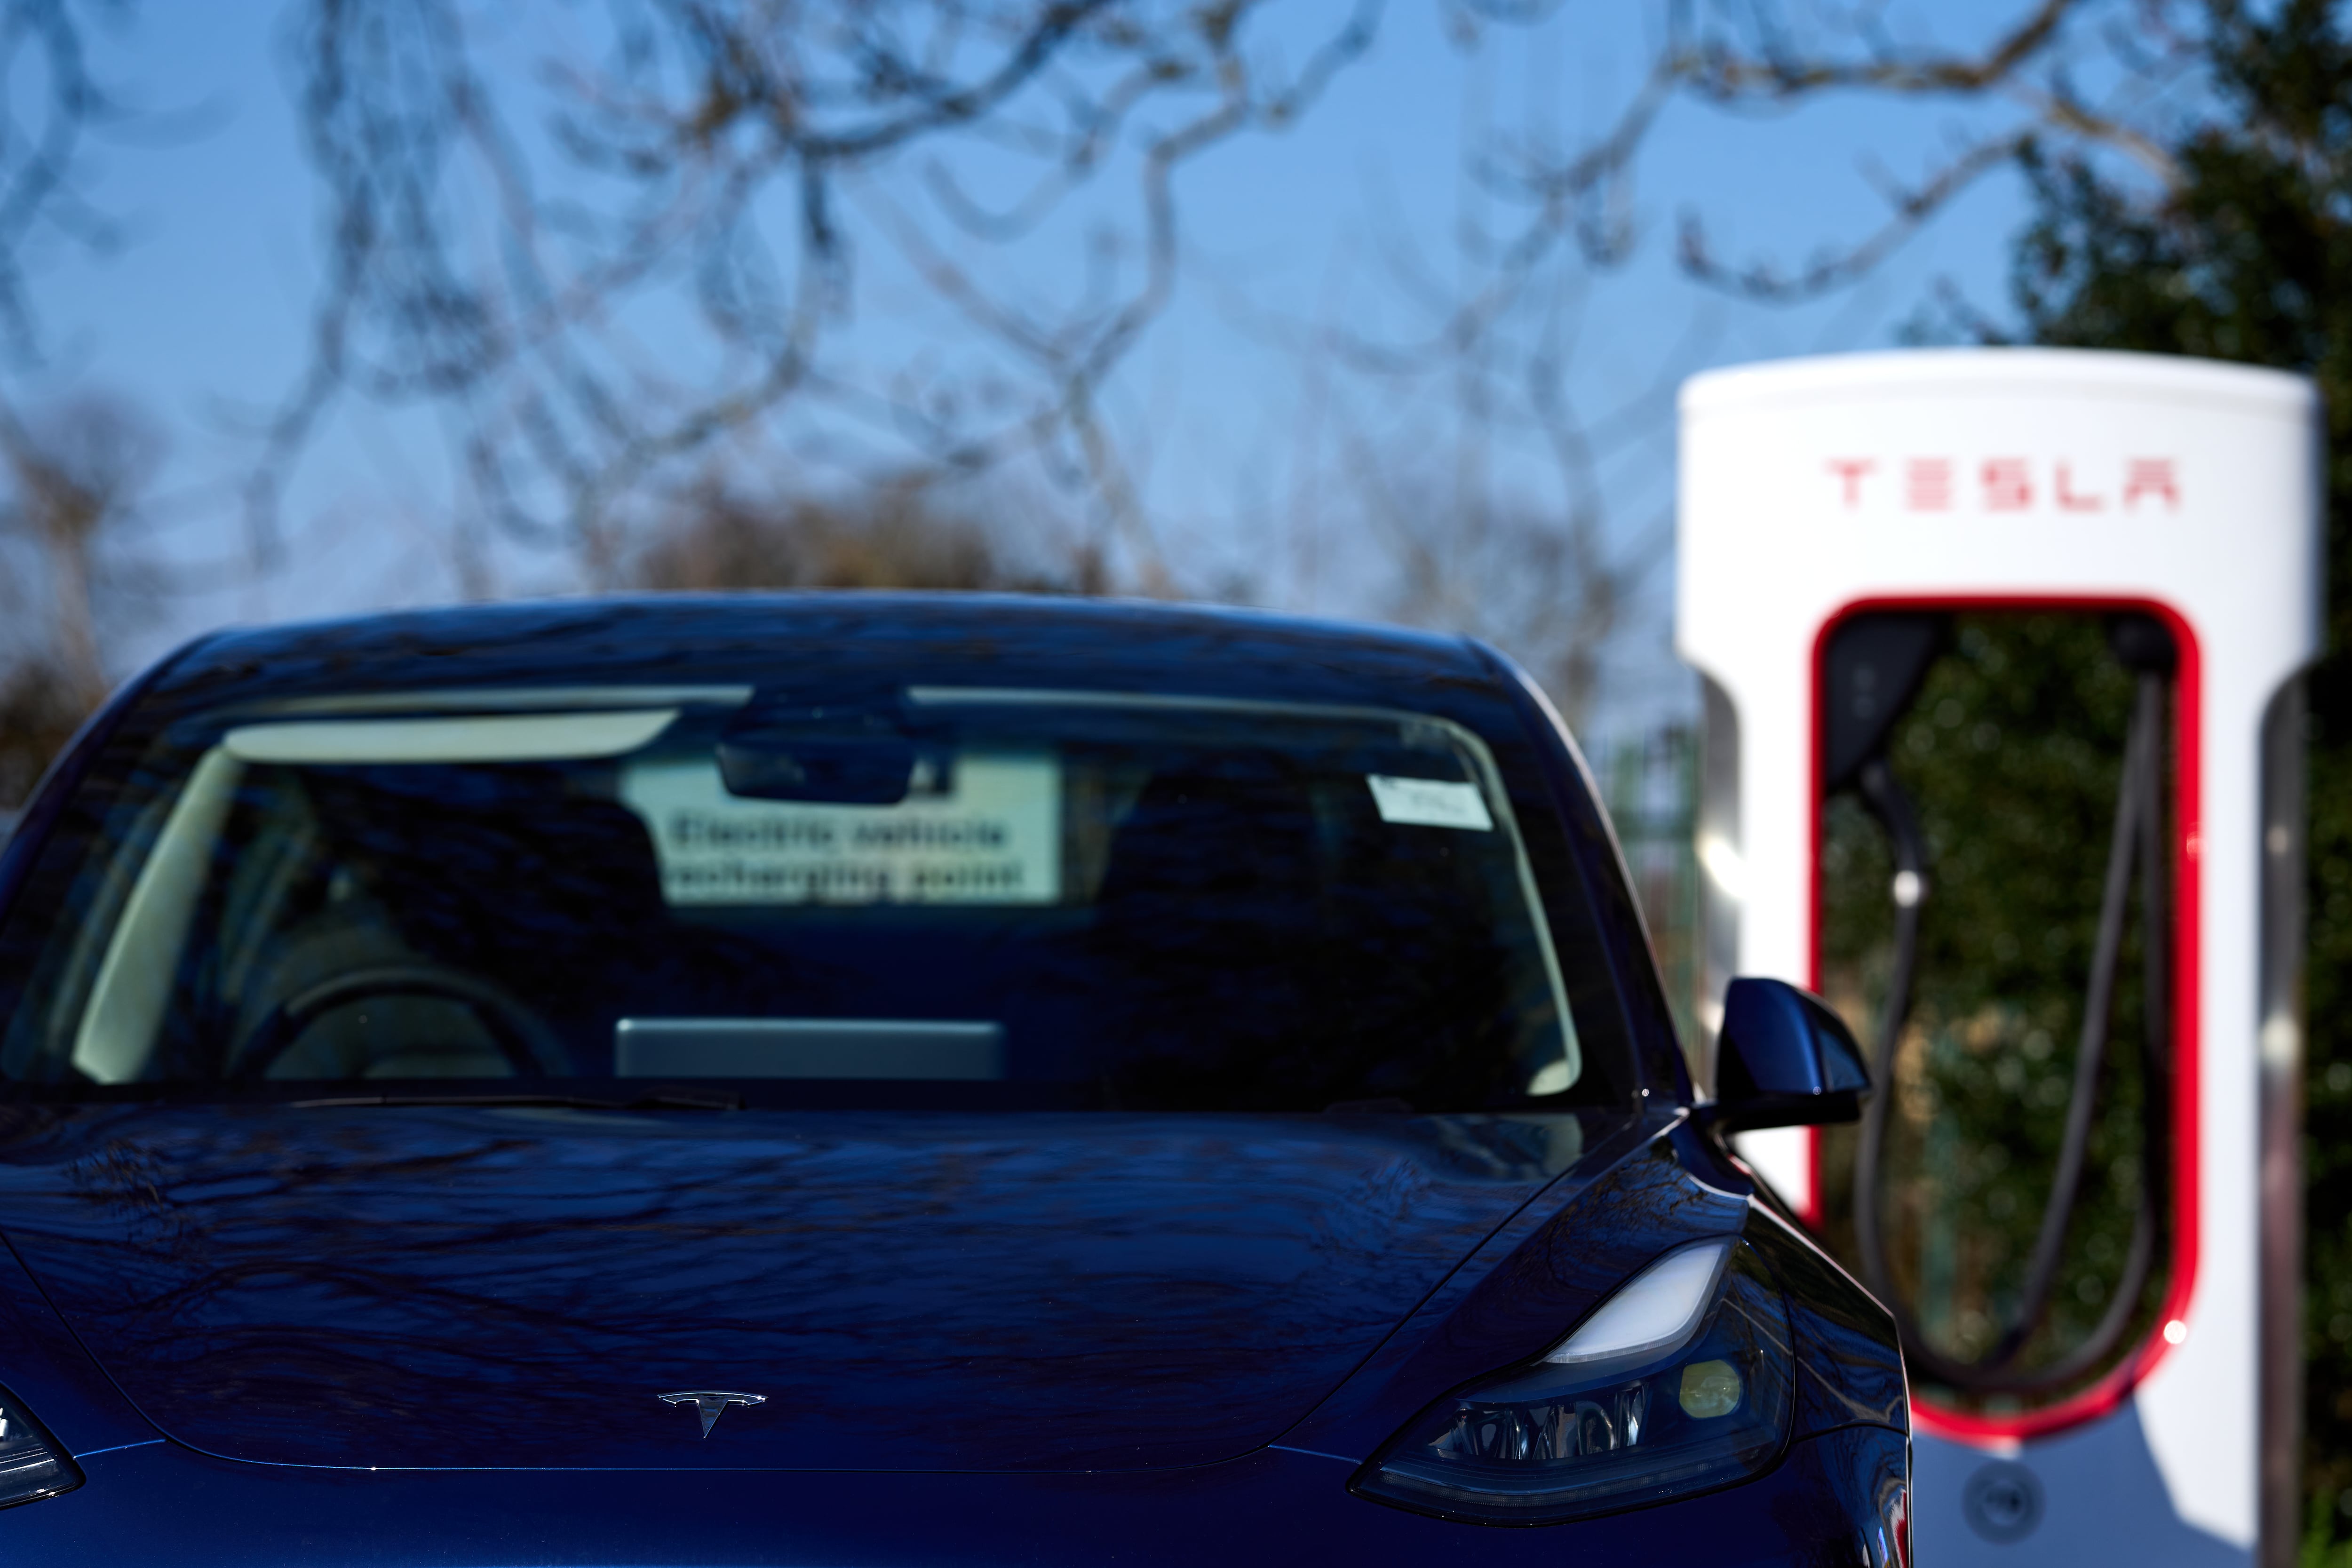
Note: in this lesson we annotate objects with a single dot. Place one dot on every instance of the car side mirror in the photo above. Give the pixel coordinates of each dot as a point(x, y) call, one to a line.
point(1784, 1059)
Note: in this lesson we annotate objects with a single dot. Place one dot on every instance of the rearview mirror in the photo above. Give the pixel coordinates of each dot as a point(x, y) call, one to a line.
point(1784, 1059)
point(837, 769)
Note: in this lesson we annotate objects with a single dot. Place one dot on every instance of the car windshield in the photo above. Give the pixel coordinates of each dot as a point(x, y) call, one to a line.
point(944, 897)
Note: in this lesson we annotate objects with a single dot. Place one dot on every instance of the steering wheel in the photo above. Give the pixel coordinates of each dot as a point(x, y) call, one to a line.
point(518, 1033)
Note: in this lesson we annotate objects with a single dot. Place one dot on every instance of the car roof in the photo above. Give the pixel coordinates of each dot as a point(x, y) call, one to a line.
point(966, 639)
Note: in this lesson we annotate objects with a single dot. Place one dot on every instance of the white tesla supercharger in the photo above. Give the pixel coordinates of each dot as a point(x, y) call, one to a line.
point(1851, 526)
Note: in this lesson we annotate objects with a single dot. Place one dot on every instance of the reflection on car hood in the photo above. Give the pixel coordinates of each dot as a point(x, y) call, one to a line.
point(470, 1287)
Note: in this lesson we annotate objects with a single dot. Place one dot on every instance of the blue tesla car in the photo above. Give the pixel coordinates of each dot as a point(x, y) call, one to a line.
point(888, 1080)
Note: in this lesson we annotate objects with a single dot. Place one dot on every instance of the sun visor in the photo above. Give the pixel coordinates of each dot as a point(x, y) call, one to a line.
point(500, 738)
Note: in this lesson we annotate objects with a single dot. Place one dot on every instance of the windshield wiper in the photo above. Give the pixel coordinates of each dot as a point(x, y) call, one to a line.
point(663, 1100)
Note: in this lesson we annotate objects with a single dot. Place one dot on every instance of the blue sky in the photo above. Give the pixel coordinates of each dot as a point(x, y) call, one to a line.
point(202, 315)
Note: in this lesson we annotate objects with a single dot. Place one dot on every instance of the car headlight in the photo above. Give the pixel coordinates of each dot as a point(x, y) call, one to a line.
point(1679, 1382)
point(32, 1463)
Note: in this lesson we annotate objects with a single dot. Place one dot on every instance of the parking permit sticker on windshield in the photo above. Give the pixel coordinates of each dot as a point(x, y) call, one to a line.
point(1430, 803)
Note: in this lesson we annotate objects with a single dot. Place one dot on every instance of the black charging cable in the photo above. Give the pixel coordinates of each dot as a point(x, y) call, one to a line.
point(2137, 842)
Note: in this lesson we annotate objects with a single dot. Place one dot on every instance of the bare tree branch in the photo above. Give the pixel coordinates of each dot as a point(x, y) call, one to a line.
point(1752, 60)
point(43, 45)
point(1844, 265)
point(1747, 57)
point(685, 185)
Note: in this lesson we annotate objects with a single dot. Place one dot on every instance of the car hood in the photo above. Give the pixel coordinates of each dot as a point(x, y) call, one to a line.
point(441, 1287)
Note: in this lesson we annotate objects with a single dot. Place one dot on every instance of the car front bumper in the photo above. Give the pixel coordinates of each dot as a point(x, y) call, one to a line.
point(1833, 1498)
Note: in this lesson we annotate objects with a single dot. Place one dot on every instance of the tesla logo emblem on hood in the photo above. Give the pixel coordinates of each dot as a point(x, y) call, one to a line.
point(712, 1407)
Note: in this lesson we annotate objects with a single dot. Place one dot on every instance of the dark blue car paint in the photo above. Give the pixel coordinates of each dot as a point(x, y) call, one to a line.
point(1849, 1430)
point(1817, 1507)
point(262, 1281)
point(449, 1286)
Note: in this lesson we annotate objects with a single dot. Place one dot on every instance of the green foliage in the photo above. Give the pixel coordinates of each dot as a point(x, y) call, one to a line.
point(2247, 258)
point(2321, 1547)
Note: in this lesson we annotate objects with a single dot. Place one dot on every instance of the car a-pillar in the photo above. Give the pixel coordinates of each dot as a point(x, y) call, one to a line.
point(2001, 654)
